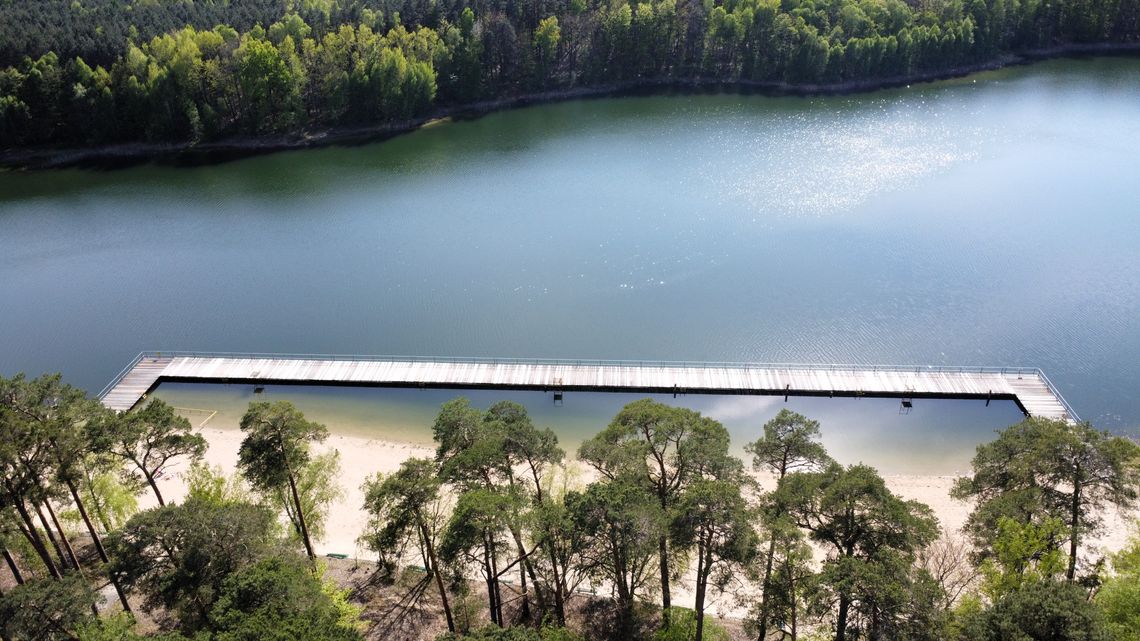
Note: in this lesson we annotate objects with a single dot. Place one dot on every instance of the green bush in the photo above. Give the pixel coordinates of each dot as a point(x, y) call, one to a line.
point(1043, 611)
point(683, 627)
point(1119, 598)
point(495, 633)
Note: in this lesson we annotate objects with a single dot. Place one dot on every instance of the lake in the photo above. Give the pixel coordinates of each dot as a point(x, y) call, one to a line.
point(934, 437)
point(988, 220)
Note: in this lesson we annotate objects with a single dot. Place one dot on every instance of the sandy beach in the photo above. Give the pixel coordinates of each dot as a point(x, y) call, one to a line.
point(361, 457)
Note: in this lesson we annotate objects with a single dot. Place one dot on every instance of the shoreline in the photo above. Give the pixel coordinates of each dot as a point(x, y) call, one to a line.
point(187, 154)
point(362, 456)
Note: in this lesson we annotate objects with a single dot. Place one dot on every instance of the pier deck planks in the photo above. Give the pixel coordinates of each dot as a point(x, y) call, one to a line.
point(1026, 386)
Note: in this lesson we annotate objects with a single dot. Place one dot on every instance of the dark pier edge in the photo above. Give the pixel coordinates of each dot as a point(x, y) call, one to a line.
point(586, 388)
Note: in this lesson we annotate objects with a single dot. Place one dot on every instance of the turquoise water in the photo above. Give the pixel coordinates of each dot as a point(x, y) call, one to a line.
point(935, 437)
point(991, 220)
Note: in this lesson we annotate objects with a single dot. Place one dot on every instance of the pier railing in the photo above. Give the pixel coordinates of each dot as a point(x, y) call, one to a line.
point(1057, 393)
point(1019, 372)
point(122, 373)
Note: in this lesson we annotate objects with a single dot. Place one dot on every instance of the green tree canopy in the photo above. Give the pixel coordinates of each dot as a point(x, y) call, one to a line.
point(148, 439)
point(473, 540)
point(1040, 611)
point(1119, 597)
point(178, 556)
point(501, 454)
point(716, 520)
point(279, 599)
point(622, 523)
point(790, 443)
point(872, 536)
point(274, 453)
point(1041, 469)
point(404, 507)
point(318, 485)
point(1023, 553)
point(35, 416)
point(47, 609)
point(659, 447)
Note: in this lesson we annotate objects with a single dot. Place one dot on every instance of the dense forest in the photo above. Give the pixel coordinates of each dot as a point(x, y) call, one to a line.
point(92, 72)
point(494, 538)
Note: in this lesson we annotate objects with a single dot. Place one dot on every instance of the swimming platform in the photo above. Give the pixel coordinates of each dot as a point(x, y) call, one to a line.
point(1029, 388)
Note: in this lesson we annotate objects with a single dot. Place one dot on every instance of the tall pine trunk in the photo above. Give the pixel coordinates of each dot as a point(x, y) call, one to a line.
point(1074, 530)
point(765, 586)
point(87, 522)
point(301, 517)
point(16, 574)
point(33, 536)
point(841, 619)
point(559, 596)
point(497, 586)
point(63, 537)
point(98, 542)
point(795, 614)
point(70, 550)
point(525, 568)
point(153, 486)
point(51, 537)
point(438, 577)
point(489, 571)
point(702, 586)
point(663, 553)
point(525, 614)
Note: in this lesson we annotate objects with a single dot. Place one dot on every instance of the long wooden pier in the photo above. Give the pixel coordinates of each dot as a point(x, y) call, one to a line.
point(1028, 387)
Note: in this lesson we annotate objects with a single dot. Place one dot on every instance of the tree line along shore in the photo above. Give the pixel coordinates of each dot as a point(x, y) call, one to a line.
point(106, 72)
point(491, 537)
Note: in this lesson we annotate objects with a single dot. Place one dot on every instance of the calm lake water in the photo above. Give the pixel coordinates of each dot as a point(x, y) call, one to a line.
point(935, 437)
point(991, 220)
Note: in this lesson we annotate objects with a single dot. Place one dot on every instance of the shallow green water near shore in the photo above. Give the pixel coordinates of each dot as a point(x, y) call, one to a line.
point(990, 220)
point(935, 437)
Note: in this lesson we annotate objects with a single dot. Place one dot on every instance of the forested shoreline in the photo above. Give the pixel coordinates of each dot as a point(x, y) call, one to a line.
point(179, 74)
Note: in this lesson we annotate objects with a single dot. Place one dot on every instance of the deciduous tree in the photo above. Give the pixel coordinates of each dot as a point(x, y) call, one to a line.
point(1119, 597)
point(319, 487)
point(1023, 553)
